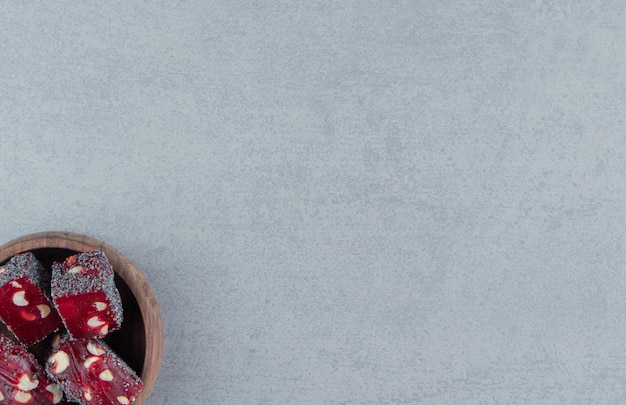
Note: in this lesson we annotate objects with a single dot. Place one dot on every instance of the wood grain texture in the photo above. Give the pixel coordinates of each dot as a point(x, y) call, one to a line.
point(141, 338)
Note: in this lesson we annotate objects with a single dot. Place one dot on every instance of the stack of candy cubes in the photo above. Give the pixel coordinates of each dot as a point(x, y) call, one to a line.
point(76, 307)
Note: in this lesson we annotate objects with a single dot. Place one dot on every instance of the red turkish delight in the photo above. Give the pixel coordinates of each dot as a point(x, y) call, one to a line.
point(24, 304)
point(90, 373)
point(22, 380)
point(84, 292)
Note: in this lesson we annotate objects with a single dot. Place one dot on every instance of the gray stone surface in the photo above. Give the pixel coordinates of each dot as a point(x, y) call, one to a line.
point(411, 202)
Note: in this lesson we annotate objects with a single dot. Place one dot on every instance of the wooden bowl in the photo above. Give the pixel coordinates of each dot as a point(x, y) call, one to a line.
point(139, 342)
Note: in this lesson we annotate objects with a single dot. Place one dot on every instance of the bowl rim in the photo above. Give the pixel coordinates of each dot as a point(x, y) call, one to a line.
point(125, 269)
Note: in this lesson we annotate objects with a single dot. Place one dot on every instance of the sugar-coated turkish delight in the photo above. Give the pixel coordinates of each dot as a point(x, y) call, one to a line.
point(84, 293)
point(90, 373)
point(24, 304)
point(22, 380)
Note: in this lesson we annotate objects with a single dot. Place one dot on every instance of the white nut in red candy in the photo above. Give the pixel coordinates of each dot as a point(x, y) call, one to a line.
point(22, 397)
point(106, 375)
point(100, 306)
point(75, 270)
point(91, 360)
point(87, 395)
point(56, 391)
point(44, 310)
point(95, 349)
point(95, 322)
point(16, 284)
point(60, 360)
point(26, 383)
point(19, 300)
point(104, 330)
point(123, 400)
point(55, 341)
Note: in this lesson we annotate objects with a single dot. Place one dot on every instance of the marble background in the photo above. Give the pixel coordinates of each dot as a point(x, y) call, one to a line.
point(354, 202)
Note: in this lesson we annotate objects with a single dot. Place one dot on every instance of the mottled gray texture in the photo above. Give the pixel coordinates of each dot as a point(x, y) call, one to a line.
point(344, 202)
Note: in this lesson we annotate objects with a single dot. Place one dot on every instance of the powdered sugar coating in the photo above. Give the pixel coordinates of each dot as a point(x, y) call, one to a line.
point(26, 264)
